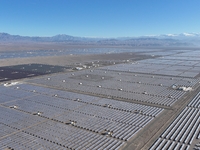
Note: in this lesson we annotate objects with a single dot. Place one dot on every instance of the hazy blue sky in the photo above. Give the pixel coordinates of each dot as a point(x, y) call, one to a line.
point(99, 18)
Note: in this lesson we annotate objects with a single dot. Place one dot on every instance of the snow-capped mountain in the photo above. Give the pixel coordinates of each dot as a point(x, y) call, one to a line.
point(177, 36)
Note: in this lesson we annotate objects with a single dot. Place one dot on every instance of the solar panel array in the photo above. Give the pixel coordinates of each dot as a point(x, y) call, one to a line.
point(153, 89)
point(38, 117)
point(105, 107)
point(157, 67)
point(183, 130)
point(15, 72)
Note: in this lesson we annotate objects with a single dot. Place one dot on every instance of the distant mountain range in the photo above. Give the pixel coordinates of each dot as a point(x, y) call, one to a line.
point(184, 39)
